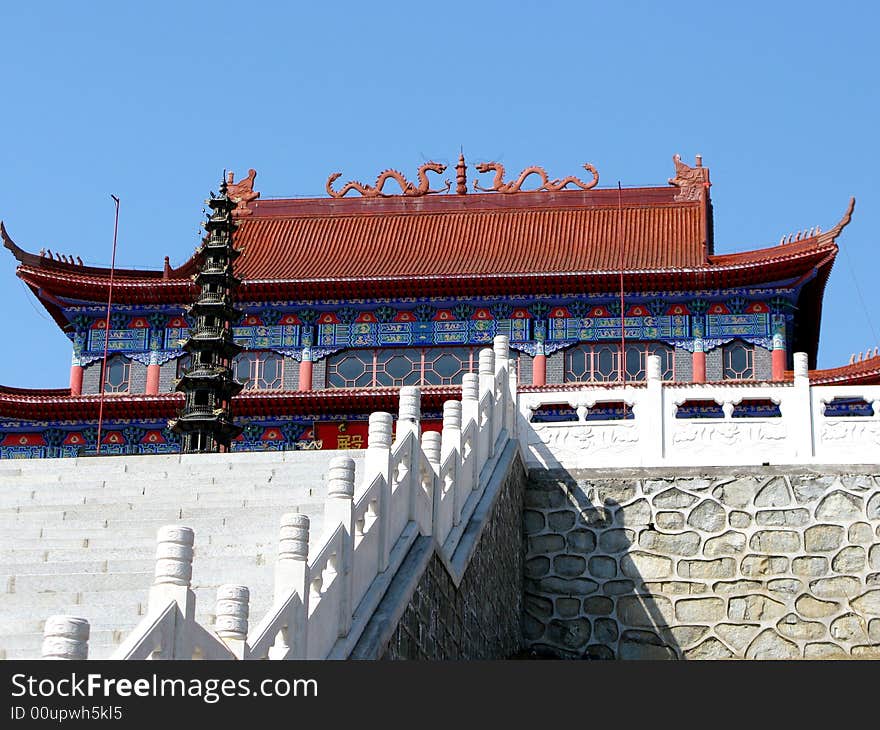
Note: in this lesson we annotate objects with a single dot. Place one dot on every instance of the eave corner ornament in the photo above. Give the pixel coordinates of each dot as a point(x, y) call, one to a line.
point(690, 181)
point(515, 186)
point(242, 192)
point(406, 187)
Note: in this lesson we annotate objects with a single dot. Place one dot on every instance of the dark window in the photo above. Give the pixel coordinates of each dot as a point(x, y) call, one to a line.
point(601, 363)
point(738, 360)
point(401, 366)
point(118, 375)
point(259, 370)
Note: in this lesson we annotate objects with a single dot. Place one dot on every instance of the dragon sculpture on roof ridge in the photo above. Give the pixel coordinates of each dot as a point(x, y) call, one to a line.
point(406, 187)
point(515, 186)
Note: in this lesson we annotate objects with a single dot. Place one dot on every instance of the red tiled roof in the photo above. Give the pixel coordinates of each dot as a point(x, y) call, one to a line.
point(864, 372)
point(571, 231)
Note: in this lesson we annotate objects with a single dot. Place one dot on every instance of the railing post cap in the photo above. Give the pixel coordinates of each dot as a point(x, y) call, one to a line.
point(470, 386)
point(340, 478)
point(380, 428)
point(65, 637)
point(487, 361)
point(410, 403)
point(232, 610)
point(174, 555)
point(451, 414)
point(293, 537)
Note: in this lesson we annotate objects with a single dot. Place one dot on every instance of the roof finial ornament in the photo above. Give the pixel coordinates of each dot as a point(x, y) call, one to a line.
point(515, 186)
point(691, 181)
point(241, 192)
point(406, 187)
point(461, 176)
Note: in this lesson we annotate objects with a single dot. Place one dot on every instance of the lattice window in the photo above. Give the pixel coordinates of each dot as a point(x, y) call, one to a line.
point(259, 370)
point(738, 360)
point(117, 378)
point(601, 363)
point(400, 366)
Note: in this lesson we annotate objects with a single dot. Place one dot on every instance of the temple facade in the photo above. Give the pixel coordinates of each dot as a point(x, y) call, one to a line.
point(344, 299)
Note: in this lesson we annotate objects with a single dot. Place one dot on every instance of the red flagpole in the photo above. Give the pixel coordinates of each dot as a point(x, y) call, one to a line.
point(107, 327)
point(622, 371)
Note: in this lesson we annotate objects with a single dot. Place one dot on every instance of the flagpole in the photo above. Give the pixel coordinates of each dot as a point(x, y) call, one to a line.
point(107, 328)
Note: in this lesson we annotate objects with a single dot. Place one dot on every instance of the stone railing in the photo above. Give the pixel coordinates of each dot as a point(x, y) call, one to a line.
point(656, 428)
point(414, 484)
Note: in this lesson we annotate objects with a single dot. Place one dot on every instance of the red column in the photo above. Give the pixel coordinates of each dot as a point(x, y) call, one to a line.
point(699, 362)
point(152, 379)
point(777, 355)
point(76, 377)
point(539, 367)
point(305, 371)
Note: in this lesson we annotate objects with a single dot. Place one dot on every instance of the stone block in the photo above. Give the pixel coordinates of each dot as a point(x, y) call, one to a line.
point(615, 490)
point(754, 607)
point(598, 652)
point(686, 636)
point(782, 517)
point(823, 538)
point(699, 609)
point(673, 499)
point(644, 611)
point(874, 557)
point(674, 587)
point(791, 626)
point(641, 565)
point(670, 520)
point(605, 630)
point(866, 652)
point(774, 494)
point(567, 586)
point(597, 517)
point(719, 568)
point(874, 629)
point(872, 508)
point(708, 516)
point(811, 607)
point(637, 514)
point(711, 648)
point(728, 543)
point(738, 492)
point(568, 607)
point(581, 541)
point(811, 566)
point(837, 587)
point(824, 650)
point(850, 628)
point(618, 587)
point(739, 520)
point(569, 634)
point(537, 567)
point(775, 541)
point(840, 505)
point(728, 587)
point(616, 541)
point(738, 635)
point(860, 533)
point(538, 606)
point(569, 566)
point(851, 559)
point(533, 522)
point(635, 644)
point(653, 486)
point(601, 566)
point(561, 520)
point(598, 606)
point(682, 543)
point(546, 544)
point(868, 603)
point(785, 587)
point(808, 488)
point(533, 629)
point(770, 645)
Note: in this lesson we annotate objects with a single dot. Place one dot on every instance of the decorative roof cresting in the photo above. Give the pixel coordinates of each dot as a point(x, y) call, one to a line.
point(515, 186)
point(690, 181)
point(406, 187)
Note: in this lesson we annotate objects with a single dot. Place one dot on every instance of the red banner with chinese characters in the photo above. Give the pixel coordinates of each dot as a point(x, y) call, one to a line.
point(353, 434)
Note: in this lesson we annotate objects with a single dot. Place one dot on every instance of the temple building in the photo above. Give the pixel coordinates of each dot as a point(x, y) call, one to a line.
point(344, 299)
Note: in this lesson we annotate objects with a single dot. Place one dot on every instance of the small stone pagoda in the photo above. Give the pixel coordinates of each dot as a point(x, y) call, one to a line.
point(205, 421)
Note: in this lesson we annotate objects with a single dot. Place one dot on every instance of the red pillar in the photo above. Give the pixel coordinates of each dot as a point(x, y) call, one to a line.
point(76, 377)
point(699, 363)
point(539, 369)
point(777, 355)
point(305, 371)
point(152, 379)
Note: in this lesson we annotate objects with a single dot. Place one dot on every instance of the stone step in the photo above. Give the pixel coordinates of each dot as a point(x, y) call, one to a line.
point(24, 583)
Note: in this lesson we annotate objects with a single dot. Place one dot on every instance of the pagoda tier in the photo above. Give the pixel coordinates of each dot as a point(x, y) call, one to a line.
point(205, 421)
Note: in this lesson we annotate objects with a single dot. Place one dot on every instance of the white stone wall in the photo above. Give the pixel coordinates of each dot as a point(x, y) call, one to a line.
point(718, 564)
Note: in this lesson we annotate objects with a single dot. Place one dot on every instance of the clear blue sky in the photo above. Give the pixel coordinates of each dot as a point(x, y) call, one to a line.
point(151, 101)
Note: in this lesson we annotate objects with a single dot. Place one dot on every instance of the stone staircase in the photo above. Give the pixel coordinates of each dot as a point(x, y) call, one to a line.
point(78, 536)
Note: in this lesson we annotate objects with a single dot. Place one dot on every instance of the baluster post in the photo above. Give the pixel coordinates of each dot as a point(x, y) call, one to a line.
point(450, 443)
point(172, 582)
point(292, 574)
point(339, 509)
point(65, 637)
point(377, 460)
point(232, 617)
